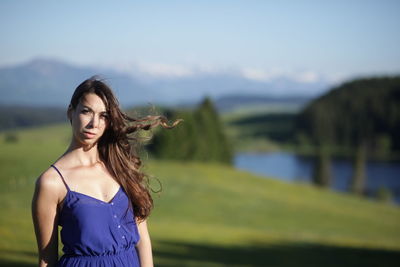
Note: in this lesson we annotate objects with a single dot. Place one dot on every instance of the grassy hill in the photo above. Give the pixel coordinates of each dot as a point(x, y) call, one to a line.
point(213, 215)
point(262, 131)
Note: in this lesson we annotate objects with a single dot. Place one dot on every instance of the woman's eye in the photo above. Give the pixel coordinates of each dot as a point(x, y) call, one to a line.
point(105, 116)
point(85, 111)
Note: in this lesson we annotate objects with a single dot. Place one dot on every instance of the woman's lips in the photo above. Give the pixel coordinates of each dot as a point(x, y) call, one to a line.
point(89, 135)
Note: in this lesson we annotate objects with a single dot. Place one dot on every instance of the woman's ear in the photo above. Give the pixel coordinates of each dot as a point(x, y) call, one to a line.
point(69, 113)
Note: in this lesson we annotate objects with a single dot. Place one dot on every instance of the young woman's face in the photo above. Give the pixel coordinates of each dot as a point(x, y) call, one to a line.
point(89, 120)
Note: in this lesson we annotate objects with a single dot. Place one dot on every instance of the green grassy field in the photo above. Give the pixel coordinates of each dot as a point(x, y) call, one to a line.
point(213, 215)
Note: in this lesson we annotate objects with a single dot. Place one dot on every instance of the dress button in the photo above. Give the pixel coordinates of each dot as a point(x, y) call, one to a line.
point(123, 236)
point(115, 216)
point(119, 226)
point(112, 203)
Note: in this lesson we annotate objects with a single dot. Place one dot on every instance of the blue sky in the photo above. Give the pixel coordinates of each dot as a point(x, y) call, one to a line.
point(333, 38)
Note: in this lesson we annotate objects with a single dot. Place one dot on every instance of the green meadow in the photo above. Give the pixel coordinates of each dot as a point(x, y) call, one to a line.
point(212, 214)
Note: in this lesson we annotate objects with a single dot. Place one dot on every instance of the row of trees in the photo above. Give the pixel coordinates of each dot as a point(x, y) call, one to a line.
point(199, 137)
point(363, 115)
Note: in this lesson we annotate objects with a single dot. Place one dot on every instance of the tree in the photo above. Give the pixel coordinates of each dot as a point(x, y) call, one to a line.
point(322, 169)
point(359, 176)
point(200, 137)
point(363, 115)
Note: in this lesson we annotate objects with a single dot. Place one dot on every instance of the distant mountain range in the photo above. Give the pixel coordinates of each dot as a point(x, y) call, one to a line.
point(49, 82)
point(233, 102)
point(44, 82)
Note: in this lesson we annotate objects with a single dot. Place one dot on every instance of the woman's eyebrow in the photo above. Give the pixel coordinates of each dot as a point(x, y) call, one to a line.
point(104, 111)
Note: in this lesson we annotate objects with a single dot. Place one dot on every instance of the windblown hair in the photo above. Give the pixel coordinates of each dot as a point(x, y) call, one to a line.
point(118, 145)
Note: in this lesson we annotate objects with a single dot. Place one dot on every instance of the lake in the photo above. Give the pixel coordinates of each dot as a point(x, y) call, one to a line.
point(291, 167)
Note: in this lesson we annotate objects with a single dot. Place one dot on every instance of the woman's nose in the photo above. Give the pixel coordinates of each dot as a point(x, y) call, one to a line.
point(94, 122)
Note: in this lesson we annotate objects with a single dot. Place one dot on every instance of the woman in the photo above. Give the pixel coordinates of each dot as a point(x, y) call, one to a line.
point(95, 190)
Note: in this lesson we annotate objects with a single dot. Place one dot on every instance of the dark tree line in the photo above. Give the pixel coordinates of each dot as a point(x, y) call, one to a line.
point(363, 115)
point(199, 137)
point(363, 110)
point(278, 127)
point(12, 117)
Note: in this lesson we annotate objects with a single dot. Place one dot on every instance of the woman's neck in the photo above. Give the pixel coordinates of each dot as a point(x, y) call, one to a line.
point(84, 155)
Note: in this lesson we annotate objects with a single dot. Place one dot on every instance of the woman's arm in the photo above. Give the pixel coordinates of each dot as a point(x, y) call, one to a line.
point(144, 245)
point(44, 216)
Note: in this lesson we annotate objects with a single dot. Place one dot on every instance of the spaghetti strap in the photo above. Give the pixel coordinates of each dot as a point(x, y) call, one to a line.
point(61, 176)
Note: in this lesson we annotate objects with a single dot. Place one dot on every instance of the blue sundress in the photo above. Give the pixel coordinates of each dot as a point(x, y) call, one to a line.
point(97, 233)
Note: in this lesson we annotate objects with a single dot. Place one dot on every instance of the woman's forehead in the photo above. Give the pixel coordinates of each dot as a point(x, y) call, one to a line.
point(93, 102)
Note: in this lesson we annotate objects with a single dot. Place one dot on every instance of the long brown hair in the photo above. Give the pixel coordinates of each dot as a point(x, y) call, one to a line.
point(119, 143)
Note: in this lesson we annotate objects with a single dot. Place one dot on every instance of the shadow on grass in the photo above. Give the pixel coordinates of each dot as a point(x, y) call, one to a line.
point(8, 263)
point(169, 253)
point(14, 258)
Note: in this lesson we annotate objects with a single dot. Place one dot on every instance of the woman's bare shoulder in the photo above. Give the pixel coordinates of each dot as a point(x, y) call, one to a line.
point(49, 181)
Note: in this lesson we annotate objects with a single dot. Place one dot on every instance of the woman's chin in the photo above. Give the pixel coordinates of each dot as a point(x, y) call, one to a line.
point(88, 143)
